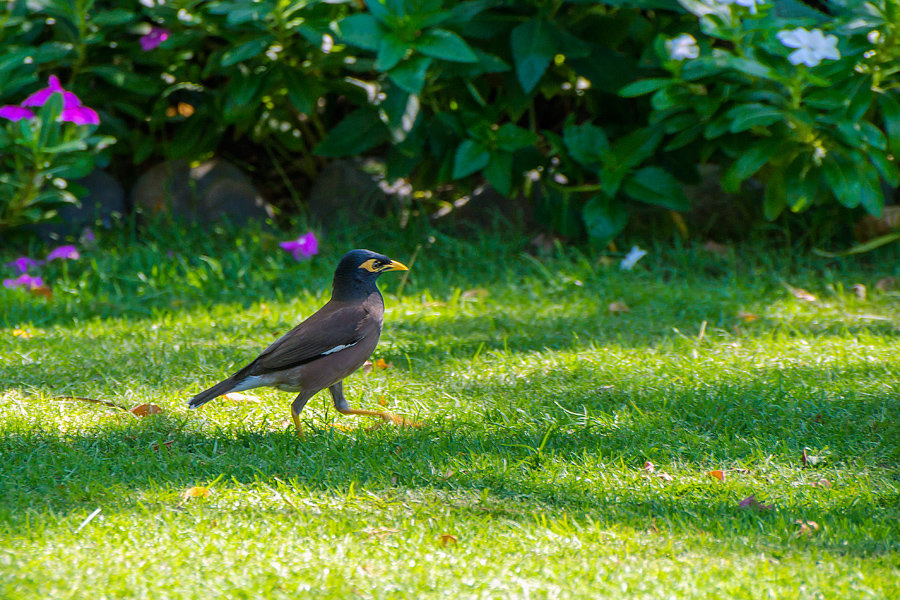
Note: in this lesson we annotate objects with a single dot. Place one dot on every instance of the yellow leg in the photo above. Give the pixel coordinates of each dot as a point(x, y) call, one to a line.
point(296, 419)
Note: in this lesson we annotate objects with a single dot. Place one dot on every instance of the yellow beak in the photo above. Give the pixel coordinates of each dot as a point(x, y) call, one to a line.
point(396, 266)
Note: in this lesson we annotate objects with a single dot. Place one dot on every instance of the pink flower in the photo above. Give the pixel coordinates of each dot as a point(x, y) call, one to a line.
point(15, 113)
point(73, 110)
point(23, 280)
point(303, 247)
point(153, 39)
point(63, 252)
point(23, 263)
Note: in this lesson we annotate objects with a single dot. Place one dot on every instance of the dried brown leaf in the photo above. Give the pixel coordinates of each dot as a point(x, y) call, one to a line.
point(145, 410)
point(618, 307)
point(665, 476)
point(197, 491)
point(649, 467)
point(43, 291)
point(448, 538)
point(155, 445)
point(716, 248)
point(807, 528)
point(750, 502)
point(886, 284)
point(475, 294)
point(748, 317)
point(800, 293)
point(717, 474)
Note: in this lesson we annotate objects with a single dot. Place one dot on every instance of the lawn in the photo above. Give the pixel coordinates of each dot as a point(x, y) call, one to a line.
point(539, 410)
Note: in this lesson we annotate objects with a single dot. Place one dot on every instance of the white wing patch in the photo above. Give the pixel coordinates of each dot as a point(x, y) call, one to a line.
point(339, 348)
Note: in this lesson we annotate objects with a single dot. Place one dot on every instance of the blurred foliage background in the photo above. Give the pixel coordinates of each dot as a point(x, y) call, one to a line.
point(576, 118)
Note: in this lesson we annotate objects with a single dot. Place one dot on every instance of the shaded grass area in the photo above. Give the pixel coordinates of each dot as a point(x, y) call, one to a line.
point(539, 408)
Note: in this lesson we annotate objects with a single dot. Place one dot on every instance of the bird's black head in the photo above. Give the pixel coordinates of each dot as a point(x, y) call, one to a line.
point(356, 273)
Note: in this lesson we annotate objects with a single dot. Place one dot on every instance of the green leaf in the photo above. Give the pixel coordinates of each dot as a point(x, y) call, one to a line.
point(302, 91)
point(361, 30)
point(654, 185)
point(842, 177)
point(533, 46)
point(111, 18)
point(604, 218)
point(749, 162)
point(470, 157)
point(499, 172)
point(775, 197)
point(586, 143)
point(445, 45)
point(410, 74)
point(890, 109)
point(379, 10)
point(643, 86)
point(391, 50)
point(860, 248)
point(400, 112)
point(747, 116)
point(632, 149)
point(245, 51)
point(886, 168)
point(510, 137)
point(361, 130)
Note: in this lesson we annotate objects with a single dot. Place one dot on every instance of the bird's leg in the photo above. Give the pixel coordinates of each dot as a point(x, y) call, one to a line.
point(341, 405)
point(296, 406)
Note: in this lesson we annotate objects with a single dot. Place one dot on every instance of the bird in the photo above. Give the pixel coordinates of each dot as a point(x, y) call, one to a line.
point(331, 344)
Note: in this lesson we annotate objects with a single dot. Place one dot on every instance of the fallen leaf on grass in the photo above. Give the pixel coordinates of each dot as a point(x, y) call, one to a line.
point(822, 483)
point(239, 397)
point(665, 476)
point(618, 307)
point(885, 284)
point(860, 291)
point(649, 466)
point(21, 333)
point(198, 491)
point(155, 445)
point(382, 364)
point(475, 294)
point(807, 528)
point(747, 317)
point(380, 532)
point(800, 293)
point(809, 460)
point(720, 475)
point(750, 502)
point(448, 538)
point(43, 291)
point(145, 410)
point(716, 248)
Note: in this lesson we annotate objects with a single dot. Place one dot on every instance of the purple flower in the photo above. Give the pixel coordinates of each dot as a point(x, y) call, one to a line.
point(23, 263)
point(63, 252)
point(15, 113)
point(80, 115)
point(303, 247)
point(73, 110)
point(24, 279)
point(153, 39)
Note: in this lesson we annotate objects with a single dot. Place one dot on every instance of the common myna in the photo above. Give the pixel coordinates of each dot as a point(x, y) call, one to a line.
point(328, 346)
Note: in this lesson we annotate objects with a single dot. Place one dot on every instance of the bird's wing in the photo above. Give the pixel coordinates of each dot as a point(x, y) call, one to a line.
point(331, 329)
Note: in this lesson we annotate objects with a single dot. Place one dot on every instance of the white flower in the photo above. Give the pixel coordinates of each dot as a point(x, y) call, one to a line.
point(631, 259)
point(751, 4)
point(812, 46)
point(682, 46)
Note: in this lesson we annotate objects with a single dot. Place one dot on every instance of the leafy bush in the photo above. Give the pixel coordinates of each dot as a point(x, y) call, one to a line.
point(524, 95)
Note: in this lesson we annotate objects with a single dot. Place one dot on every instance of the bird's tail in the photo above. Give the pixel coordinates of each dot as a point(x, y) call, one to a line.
point(223, 387)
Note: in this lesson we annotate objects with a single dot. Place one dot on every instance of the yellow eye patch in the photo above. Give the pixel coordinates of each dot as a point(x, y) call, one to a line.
point(369, 265)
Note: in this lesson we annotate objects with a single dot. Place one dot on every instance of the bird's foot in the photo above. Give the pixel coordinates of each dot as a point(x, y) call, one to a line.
point(389, 417)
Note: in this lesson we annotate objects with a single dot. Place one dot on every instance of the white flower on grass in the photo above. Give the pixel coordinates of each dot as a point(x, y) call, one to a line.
point(811, 46)
point(634, 255)
point(682, 46)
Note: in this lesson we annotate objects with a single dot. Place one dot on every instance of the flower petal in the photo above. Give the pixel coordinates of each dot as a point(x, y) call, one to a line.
point(80, 115)
point(24, 280)
point(23, 263)
point(39, 98)
point(15, 113)
point(64, 252)
point(793, 39)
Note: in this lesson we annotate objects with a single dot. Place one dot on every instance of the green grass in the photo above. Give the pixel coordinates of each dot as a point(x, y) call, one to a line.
point(538, 406)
